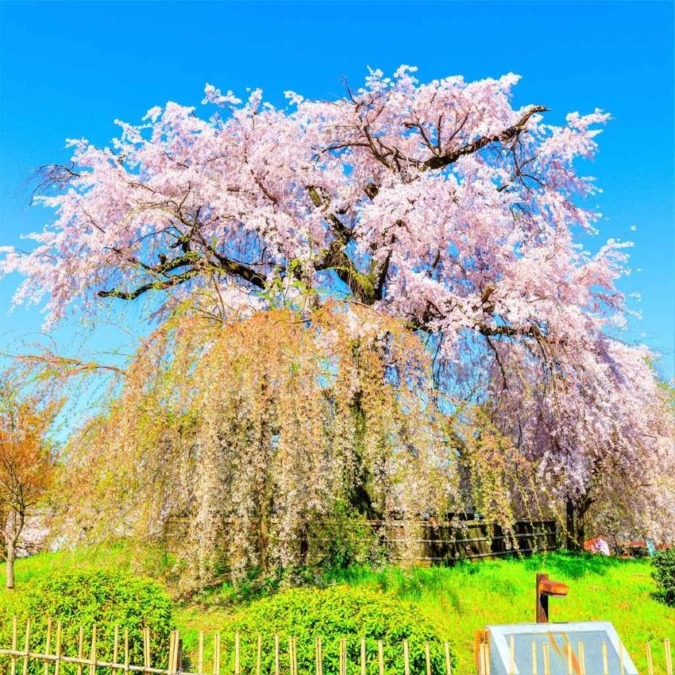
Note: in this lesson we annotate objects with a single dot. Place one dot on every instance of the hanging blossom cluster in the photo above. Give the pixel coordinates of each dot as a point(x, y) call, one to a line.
point(282, 426)
point(436, 203)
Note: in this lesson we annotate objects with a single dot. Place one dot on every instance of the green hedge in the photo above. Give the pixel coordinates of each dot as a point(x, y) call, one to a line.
point(85, 598)
point(664, 575)
point(335, 613)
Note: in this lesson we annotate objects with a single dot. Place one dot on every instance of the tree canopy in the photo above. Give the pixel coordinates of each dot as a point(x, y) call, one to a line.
point(437, 204)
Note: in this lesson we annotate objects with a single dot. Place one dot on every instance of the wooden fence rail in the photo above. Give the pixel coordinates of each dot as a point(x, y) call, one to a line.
point(434, 659)
point(422, 541)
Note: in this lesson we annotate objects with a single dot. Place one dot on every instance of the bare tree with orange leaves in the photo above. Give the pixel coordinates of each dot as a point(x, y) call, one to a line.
point(27, 462)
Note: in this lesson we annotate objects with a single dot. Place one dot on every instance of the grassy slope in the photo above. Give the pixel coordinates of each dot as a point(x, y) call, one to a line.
point(459, 600)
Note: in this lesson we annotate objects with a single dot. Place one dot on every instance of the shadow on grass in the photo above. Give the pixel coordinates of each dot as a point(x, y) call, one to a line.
point(572, 565)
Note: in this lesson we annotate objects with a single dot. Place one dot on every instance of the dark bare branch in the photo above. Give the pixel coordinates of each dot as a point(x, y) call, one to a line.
point(479, 143)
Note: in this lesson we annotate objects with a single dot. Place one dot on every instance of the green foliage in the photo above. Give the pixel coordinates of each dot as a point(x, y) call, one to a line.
point(335, 613)
point(664, 575)
point(94, 597)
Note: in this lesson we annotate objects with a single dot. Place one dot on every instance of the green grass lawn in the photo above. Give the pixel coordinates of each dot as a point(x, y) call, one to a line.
point(458, 600)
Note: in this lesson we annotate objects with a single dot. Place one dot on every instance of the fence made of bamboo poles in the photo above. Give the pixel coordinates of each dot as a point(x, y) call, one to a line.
point(49, 658)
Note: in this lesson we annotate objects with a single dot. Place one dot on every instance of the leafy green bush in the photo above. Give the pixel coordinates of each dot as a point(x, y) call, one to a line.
point(664, 574)
point(85, 598)
point(332, 614)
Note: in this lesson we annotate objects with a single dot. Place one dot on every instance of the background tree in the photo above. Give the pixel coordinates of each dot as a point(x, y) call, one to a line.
point(27, 462)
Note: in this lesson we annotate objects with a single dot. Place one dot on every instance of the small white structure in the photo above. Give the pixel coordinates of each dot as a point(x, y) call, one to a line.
point(591, 647)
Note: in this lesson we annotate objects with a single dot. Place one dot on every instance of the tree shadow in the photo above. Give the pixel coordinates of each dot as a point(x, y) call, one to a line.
point(573, 565)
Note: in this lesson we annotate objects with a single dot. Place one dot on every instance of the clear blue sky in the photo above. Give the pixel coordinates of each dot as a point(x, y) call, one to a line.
point(70, 69)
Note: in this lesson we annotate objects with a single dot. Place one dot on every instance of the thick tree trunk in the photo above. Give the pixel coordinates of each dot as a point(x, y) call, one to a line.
point(575, 534)
point(570, 529)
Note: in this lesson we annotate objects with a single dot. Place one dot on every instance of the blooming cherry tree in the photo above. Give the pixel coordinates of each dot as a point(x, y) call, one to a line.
point(437, 203)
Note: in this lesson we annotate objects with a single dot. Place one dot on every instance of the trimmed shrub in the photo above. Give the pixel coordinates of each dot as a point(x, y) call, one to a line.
point(106, 599)
point(664, 574)
point(333, 614)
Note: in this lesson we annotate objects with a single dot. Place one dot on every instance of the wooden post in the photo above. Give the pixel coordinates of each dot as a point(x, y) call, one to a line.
point(363, 656)
point(380, 656)
point(216, 654)
point(541, 606)
point(92, 653)
point(26, 648)
point(669, 657)
point(80, 650)
point(146, 648)
point(427, 653)
point(57, 663)
point(319, 656)
point(15, 643)
point(126, 650)
point(258, 657)
point(448, 662)
point(406, 658)
point(48, 644)
point(116, 644)
point(650, 663)
point(200, 653)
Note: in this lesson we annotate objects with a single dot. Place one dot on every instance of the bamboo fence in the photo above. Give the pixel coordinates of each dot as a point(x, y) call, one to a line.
point(49, 658)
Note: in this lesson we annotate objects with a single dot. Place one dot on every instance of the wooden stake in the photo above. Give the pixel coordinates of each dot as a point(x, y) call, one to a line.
point(172, 651)
point(292, 662)
point(512, 656)
point(216, 654)
point(200, 653)
point(547, 660)
point(570, 670)
point(582, 658)
point(276, 655)
point(92, 652)
point(380, 656)
point(319, 656)
point(126, 650)
point(605, 660)
point(363, 656)
point(343, 656)
point(427, 653)
point(26, 648)
point(116, 644)
point(170, 661)
point(237, 669)
point(80, 649)
point(484, 659)
point(406, 658)
point(15, 643)
point(258, 658)
point(57, 663)
point(650, 664)
point(448, 662)
point(669, 657)
point(48, 643)
point(146, 648)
